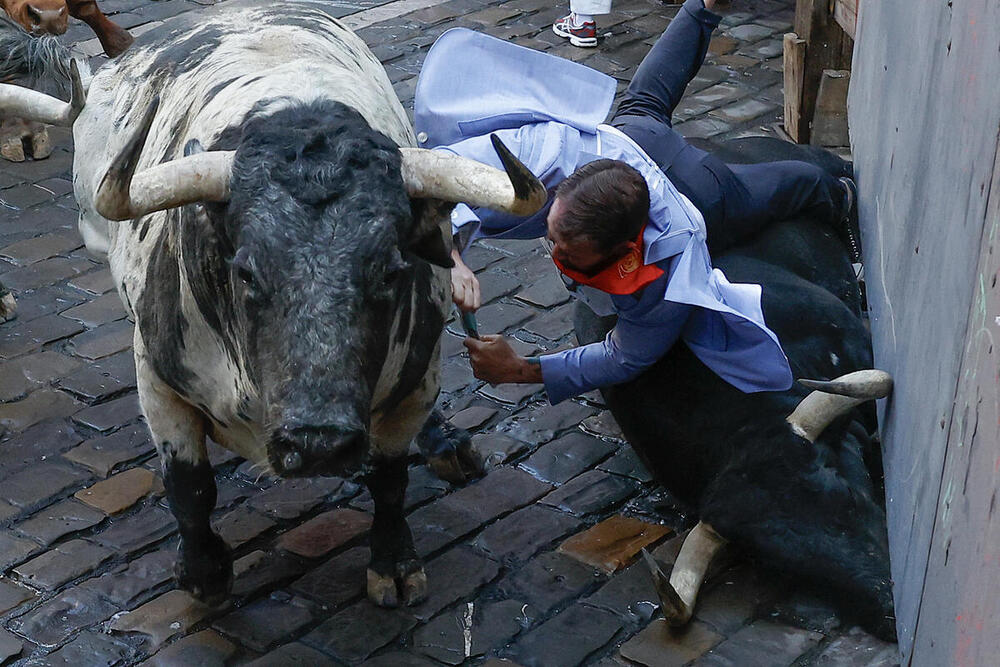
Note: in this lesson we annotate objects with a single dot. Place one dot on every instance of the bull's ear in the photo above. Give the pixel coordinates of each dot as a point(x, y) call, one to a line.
point(431, 240)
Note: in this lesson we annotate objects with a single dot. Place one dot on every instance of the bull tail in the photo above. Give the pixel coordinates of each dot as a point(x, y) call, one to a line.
point(38, 62)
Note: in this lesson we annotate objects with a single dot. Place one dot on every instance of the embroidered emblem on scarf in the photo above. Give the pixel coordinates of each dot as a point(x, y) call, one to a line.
point(626, 276)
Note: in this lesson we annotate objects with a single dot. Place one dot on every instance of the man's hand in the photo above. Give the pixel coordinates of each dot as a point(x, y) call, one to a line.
point(495, 361)
point(464, 285)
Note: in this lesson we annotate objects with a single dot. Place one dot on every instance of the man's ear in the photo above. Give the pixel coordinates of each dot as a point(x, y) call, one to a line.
point(431, 240)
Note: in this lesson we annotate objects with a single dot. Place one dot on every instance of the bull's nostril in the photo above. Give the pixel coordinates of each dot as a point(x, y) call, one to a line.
point(292, 461)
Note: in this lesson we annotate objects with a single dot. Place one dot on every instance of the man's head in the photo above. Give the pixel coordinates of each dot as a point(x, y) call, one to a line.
point(597, 214)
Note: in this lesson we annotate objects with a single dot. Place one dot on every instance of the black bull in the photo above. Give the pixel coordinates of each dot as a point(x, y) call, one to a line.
point(811, 510)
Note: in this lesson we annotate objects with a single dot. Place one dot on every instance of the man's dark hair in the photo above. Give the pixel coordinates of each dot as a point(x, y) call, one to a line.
point(604, 201)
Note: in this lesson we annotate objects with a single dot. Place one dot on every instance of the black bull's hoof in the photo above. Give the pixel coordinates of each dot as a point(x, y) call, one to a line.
point(406, 584)
point(206, 571)
point(448, 450)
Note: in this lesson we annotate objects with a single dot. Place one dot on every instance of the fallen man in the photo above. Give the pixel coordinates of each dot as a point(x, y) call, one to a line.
point(636, 209)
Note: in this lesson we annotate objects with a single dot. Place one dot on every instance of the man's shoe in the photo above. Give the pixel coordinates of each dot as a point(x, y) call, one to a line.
point(847, 227)
point(583, 35)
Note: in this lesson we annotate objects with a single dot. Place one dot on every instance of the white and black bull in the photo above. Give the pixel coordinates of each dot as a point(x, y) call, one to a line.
point(284, 254)
point(792, 477)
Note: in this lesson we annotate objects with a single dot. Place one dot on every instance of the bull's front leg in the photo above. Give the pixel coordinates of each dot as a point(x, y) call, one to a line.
point(204, 564)
point(113, 37)
point(395, 573)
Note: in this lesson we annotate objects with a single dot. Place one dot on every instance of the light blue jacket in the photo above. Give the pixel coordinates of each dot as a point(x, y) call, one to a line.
point(549, 112)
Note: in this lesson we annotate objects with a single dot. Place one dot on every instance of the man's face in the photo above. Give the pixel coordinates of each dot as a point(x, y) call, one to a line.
point(576, 254)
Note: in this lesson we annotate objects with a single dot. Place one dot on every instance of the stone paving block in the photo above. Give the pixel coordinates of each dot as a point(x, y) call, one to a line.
point(130, 585)
point(457, 375)
point(24, 374)
point(591, 492)
point(613, 543)
point(489, 625)
point(25, 196)
point(857, 648)
point(547, 292)
point(290, 498)
point(339, 580)
point(205, 649)
point(629, 593)
point(241, 526)
point(34, 250)
point(511, 394)
point(107, 416)
point(539, 426)
point(104, 453)
point(452, 576)
point(659, 645)
point(38, 443)
point(103, 341)
point(12, 595)
point(398, 659)
point(37, 407)
point(96, 282)
point(264, 623)
point(565, 458)
point(553, 325)
point(324, 533)
point(46, 272)
point(625, 462)
point(750, 32)
point(567, 639)
point(135, 532)
point(40, 483)
point(259, 570)
point(28, 336)
point(496, 283)
point(472, 418)
point(743, 112)
point(45, 301)
point(161, 618)
point(10, 645)
point(66, 562)
point(731, 602)
point(497, 448)
point(293, 654)
point(103, 309)
point(550, 580)
point(521, 534)
point(702, 128)
point(358, 631)
point(119, 492)
point(496, 318)
point(761, 644)
point(90, 648)
point(54, 621)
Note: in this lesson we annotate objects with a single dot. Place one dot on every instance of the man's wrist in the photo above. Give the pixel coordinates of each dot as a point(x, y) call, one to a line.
point(531, 369)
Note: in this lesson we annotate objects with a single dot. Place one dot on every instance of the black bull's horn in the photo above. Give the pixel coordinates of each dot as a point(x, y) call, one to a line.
point(831, 399)
point(124, 194)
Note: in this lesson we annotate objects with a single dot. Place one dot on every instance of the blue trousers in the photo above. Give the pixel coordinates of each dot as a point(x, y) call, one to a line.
point(736, 200)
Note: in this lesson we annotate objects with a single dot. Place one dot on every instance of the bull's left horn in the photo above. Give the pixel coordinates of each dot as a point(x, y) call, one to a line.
point(449, 177)
point(124, 195)
point(836, 397)
point(33, 105)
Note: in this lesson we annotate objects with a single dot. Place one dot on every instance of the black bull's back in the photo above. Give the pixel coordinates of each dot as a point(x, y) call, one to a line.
point(809, 509)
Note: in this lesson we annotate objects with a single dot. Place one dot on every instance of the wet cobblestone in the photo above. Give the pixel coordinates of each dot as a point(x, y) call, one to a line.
point(86, 536)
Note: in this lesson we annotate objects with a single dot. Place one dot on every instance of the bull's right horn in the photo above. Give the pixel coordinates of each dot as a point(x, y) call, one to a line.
point(834, 398)
point(124, 195)
point(449, 177)
point(33, 105)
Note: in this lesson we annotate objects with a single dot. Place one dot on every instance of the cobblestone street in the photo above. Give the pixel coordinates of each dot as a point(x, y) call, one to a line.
point(535, 564)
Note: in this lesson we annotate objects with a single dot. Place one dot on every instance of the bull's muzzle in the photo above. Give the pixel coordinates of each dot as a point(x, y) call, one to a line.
point(317, 449)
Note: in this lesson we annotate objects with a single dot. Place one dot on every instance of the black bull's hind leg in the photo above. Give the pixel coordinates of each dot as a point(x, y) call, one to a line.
point(395, 573)
point(204, 562)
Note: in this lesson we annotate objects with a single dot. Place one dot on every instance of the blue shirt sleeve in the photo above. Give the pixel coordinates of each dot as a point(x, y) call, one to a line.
point(634, 344)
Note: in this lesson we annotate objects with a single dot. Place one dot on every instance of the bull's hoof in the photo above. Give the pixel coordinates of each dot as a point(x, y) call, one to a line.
point(458, 467)
point(117, 42)
point(8, 307)
point(20, 139)
point(12, 149)
point(408, 586)
point(206, 572)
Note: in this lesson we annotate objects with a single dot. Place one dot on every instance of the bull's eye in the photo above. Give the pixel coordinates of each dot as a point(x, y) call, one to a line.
point(243, 268)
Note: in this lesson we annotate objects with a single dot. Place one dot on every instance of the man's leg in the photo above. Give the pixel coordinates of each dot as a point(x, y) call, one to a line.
point(665, 72)
point(580, 27)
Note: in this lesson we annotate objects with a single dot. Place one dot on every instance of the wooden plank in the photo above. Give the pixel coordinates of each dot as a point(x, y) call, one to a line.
point(924, 112)
point(830, 119)
point(827, 47)
point(958, 622)
point(845, 13)
point(793, 66)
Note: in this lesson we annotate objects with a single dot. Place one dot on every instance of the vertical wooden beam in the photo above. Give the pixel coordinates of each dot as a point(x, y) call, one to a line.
point(794, 66)
point(827, 47)
point(829, 126)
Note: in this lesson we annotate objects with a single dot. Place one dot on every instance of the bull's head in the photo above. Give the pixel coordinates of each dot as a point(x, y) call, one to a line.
point(328, 238)
point(40, 17)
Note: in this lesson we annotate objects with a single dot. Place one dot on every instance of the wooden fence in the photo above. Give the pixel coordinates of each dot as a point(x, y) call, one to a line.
point(924, 111)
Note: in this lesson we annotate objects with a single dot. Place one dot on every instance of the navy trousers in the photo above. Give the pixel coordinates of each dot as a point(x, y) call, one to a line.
point(736, 200)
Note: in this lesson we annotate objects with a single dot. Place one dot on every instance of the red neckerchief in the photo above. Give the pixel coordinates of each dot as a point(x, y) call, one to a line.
point(626, 276)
